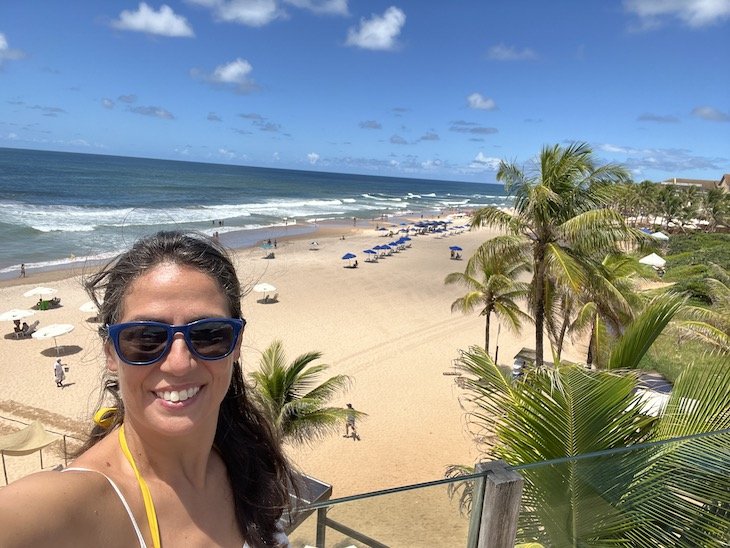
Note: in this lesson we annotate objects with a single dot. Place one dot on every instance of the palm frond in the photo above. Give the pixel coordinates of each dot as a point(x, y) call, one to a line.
point(644, 330)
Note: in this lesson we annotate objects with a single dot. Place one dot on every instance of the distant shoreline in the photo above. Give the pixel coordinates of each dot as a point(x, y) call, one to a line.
point(235, 240)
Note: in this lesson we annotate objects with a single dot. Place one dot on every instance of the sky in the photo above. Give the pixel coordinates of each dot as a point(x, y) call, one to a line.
point(407, 88)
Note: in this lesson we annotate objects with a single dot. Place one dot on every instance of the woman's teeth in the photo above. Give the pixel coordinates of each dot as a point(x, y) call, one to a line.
point(177, 396)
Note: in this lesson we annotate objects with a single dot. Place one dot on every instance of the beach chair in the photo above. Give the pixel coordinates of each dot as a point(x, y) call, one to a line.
point(25, 333)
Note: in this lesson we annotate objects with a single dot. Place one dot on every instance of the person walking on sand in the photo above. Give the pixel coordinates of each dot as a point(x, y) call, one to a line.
point(22, 270)
point(59, 373)
point(350, 424)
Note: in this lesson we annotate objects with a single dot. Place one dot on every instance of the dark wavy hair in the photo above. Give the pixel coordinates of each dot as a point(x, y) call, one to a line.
point(259, 473)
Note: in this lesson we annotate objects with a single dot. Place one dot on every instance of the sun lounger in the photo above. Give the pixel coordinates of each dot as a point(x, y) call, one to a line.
point(24, 333)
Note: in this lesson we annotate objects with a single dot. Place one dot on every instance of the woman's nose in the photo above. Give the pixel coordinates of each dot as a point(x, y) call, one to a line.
point(179, 359)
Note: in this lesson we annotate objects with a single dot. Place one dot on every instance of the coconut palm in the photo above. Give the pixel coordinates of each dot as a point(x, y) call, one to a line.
point(493, 288)
point(711, 325)
point(293, 397)
point(667, 494)
point(608, 302)
point(560, 215)
point(716, 208)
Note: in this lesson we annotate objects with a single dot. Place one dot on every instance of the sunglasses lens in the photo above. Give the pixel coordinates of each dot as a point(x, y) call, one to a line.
point(212, 340)
point(142, 343)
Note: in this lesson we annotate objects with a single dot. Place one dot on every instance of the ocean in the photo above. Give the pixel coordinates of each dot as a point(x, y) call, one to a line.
point(60, 208)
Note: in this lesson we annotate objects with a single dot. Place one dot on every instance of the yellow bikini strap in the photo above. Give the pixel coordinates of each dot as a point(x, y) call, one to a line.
point(149, 506)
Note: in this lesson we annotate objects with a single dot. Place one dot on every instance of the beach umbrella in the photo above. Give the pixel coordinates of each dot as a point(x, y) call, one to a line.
point(89, 306)
point(455, 248)
point(653, 260)
point(52, 331)
point(15, 314)
point(264, 288)
point(369, 252)
point(348, 256)
point(40, 291)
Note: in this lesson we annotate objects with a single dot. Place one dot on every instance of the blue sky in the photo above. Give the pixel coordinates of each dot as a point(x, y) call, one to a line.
point(412, 88)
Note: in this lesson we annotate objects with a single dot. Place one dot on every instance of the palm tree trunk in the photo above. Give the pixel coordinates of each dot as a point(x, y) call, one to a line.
point(486, 333)
point(563, 330)
point(591, 346)
point(539, 281)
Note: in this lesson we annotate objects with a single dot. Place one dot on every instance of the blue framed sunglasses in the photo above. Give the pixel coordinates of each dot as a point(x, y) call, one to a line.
point(144, 343)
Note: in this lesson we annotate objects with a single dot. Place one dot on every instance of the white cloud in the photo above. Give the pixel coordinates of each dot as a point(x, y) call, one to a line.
point(161, 23)
point(502, 52)
point(378, 32)
point(313, 158)
point(107, 103)
point(479, 102)
point(235, 74)
point(483, 162)
point(711, 114)
point(326, 7)
point(6, 52)
point(155, 112)
point(254, 13)
point(226, 153)
point(694, 13)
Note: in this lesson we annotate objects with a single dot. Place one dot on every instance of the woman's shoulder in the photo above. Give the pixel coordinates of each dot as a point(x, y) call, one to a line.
point(36, 509)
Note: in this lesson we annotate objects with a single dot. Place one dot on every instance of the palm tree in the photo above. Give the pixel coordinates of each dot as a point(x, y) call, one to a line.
point(716, 208)
point(294, 401)
point(667, 493)
point(711, 325)
point(559, 214)
point(608, 302)
point(491, 280)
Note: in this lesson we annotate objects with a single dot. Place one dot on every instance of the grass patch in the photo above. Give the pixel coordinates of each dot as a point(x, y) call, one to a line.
point(671, 354)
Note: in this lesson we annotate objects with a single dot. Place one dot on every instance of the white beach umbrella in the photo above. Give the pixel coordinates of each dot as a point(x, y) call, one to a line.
point(15, 314)
point(52, 331)
point(264, 288)
point(40, 291)
point(89, 306)
point(653, 260)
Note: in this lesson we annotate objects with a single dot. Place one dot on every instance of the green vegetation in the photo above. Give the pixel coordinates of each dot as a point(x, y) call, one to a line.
point(296, 404)
point(688, 260)
point(564, 227)
point(493, 288)
point(560, 222)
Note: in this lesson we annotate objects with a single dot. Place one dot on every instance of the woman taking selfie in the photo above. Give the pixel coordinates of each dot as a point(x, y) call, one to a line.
point(182, 458)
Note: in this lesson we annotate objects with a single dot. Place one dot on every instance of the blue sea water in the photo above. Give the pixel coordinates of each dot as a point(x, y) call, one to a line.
point(57, 207)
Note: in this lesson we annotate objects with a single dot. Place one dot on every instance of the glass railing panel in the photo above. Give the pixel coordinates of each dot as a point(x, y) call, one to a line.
point(672, 493)
point(424, 516)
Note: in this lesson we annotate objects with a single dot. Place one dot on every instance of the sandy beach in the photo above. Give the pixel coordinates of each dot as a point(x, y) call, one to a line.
point(388, 325)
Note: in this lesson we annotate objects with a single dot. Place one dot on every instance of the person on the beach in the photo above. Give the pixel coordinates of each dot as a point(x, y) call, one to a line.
point(22, 270)
point(182, 457)
point(58, 373)
point(350, 424)
point(16, 327)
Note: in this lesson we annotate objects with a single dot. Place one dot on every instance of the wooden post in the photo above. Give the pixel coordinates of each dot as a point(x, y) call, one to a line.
point(501, 506)
point(5, 470)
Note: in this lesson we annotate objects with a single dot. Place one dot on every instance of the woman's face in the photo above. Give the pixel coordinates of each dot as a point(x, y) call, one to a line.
point(180, 394)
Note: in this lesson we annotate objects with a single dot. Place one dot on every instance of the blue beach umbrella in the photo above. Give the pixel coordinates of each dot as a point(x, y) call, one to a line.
point(455, 248)
point(348, 256)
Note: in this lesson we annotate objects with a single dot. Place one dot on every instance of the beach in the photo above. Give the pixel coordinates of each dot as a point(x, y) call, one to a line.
point(388, 325)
